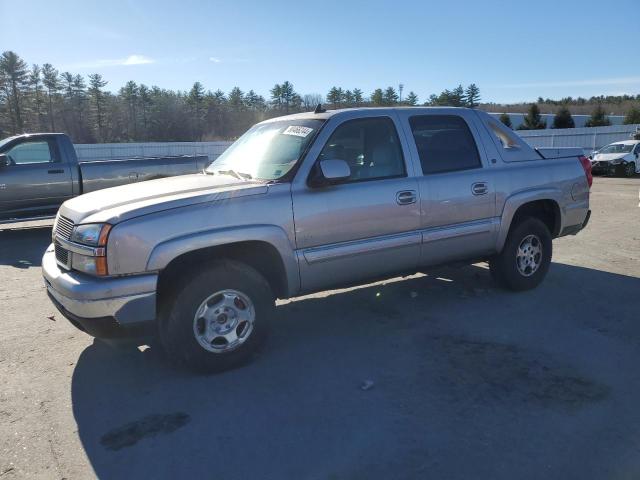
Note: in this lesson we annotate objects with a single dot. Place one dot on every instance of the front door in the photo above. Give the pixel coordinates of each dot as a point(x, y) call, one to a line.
point(35, 182)
point(367, 225)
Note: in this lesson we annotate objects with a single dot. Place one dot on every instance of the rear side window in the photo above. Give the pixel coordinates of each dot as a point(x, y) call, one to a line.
point(444, 143)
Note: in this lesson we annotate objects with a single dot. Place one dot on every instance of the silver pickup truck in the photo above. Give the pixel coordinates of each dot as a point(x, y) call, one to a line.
point(39, 171)
point(304, 203)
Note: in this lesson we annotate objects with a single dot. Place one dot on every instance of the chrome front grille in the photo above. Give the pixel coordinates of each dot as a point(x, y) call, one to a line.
point(64, 227)
point(62, 256)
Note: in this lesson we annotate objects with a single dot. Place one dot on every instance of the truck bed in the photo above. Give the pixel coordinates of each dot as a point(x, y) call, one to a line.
point(99, 174)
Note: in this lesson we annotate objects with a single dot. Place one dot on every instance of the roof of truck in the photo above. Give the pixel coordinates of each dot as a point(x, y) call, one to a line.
point(325, 115)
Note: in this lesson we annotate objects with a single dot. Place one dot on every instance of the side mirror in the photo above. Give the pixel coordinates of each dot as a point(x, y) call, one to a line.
point(4, 160)
point(334, 171)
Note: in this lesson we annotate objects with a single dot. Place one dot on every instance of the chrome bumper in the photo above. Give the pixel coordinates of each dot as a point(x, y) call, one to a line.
point(128, 300)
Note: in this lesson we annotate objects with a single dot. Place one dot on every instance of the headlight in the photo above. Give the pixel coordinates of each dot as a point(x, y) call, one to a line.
point(94, 262)
point(94, 234)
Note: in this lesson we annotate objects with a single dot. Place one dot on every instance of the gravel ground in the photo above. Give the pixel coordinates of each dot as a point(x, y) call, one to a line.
point(433, 376)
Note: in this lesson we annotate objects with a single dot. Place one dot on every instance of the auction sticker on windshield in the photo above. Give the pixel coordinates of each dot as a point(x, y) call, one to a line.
point(298, 131)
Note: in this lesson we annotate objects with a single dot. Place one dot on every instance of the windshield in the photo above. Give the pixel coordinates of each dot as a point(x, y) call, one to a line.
point(267, 151)
point(617, 148)
point(5, 141)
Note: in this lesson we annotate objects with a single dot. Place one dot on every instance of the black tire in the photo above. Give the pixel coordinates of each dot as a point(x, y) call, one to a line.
point(176, 322)
point(504, 266)
point(630, 169)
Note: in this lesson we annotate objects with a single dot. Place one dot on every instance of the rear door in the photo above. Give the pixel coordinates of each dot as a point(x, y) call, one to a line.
point(458, 200)
point(36, 182)
point(369, 224)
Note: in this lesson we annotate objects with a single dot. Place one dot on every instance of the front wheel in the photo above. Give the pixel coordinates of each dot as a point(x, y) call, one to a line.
point(525, 258)
point(630, 169)
point(218, 318)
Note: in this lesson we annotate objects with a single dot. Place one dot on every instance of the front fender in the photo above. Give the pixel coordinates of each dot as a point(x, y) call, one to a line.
point(167, 251)
point(516, 200)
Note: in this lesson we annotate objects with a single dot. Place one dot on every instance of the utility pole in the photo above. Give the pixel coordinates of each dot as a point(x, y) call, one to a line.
point(400, 88)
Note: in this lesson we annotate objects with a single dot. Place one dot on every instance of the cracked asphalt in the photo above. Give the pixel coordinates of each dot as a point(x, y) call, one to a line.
point(437, 375)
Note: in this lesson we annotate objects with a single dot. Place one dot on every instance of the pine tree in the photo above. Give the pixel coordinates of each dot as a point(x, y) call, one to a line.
point(412, 99)
point(472, 96)
point(334, 97)
point(390, 96)
point(457, 97)
point(195, 100)
point(52, 84)
point(15, 74)
point(96, 84)
point(358, 97)
point(236, 99)
point(632, 117)
point(377, 97)
point(563, 118)
point(506, 120)
point(35, 83)
point(533, 119)
point(598, 118)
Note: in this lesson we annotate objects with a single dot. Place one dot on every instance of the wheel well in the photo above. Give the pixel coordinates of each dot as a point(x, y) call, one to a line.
point(547, 211)
point(260, 255)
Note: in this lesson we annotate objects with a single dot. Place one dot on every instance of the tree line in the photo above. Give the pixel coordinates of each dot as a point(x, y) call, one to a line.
point(41, 98)
point(563, 118)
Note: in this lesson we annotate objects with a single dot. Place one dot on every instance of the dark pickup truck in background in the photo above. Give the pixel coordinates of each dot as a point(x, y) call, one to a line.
point(38, 172)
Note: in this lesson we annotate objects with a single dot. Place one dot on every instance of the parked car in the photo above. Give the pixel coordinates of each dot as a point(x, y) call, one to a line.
point(619, 158)
point(38, 172)
point(305, 203)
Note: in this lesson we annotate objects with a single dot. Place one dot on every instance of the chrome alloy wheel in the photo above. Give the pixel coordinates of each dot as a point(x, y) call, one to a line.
point(529, 255)
point(224, 321)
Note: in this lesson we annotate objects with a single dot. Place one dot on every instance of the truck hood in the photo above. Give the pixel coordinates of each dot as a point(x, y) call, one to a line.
point(117, 204)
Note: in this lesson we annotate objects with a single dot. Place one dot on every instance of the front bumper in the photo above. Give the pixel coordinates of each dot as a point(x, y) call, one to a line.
point(607, 168)
point(103, 307)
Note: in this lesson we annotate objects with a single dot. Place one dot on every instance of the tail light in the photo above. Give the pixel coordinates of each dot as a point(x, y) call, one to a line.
point(586, 165)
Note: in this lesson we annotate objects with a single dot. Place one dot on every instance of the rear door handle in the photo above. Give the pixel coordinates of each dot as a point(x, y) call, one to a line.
point(406, 197)
point(56, 170)
point(479, 188)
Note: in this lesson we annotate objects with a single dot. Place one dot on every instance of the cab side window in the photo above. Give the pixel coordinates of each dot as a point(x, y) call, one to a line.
point(444, 143)
point(30, 152)
point(370, 146)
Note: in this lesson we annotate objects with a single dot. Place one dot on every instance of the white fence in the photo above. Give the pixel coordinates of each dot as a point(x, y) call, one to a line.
point(588, 139)
point(106, 151)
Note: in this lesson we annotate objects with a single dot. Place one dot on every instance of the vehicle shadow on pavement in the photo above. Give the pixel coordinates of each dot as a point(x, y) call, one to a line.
point(395, 380)
point(24, 248)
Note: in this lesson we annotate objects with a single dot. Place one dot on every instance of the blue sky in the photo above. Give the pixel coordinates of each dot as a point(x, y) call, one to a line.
point(513, 50)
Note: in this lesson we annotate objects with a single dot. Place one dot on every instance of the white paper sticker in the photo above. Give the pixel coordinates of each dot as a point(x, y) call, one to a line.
point(297, 131)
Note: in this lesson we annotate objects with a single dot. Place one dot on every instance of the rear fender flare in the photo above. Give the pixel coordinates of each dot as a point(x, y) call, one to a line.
point(521, 198)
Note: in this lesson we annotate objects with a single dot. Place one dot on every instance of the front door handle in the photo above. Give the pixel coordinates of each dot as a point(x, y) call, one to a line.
point(479, 188)
point(406, 197)
point(55, 171)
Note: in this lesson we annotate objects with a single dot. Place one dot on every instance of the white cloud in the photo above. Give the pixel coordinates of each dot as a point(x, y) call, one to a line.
point(577, 83)
point(112, 62)
point(215, 60)
point(138, 60)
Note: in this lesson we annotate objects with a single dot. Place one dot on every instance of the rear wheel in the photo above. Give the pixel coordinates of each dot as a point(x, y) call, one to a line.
point(218, 318)
point(525, 258)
